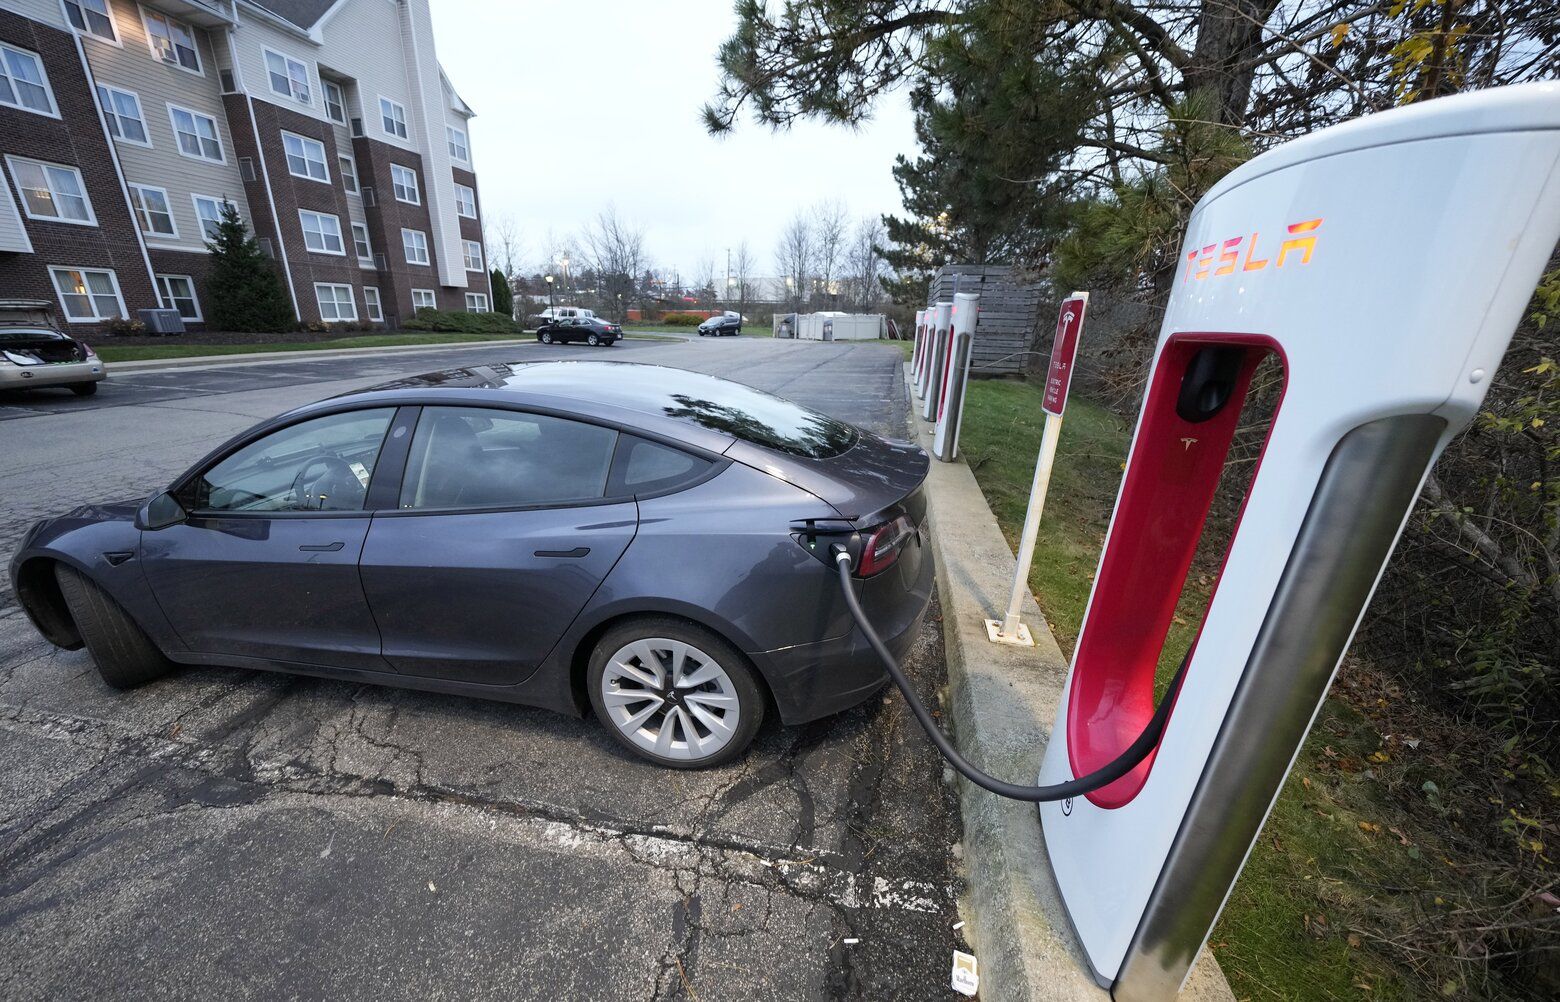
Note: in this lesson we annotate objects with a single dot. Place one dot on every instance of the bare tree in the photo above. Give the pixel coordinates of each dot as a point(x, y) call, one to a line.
point(864, 263)
point(704, 280)
point(830, 222)
point(742, 266)
point(614, 249)
point(794, 257)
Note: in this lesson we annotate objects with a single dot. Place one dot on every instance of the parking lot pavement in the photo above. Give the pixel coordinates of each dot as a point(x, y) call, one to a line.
point(222, 833)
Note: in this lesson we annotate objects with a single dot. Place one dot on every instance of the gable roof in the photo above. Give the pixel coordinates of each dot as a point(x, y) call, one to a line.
point(303, 13)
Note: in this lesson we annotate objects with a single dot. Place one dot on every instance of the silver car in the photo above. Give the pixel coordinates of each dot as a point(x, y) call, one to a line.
point(34, 354)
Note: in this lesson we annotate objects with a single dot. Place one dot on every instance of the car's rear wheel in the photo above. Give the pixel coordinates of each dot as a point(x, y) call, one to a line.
point(545, 337)
point(592, 340)
point(83, 389)
point(674, 693)
point(125, 655)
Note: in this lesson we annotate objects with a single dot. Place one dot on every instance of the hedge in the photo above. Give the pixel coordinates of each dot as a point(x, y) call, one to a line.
point(459, 321)
point(682, 319)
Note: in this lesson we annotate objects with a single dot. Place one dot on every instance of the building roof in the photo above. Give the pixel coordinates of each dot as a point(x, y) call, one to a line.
point(304, 13)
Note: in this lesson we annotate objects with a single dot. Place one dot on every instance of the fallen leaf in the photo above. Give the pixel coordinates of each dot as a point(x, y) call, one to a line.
point(1354, 941)
point(431, 888)
point(1379, 757)
point(1305, 781)
point(1366, 826)
point(1403, 839)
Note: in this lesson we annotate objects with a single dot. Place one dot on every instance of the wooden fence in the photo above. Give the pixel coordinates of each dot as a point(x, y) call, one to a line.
point(1009, 308)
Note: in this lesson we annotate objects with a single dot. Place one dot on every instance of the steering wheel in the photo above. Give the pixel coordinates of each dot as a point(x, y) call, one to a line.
point(336, 481)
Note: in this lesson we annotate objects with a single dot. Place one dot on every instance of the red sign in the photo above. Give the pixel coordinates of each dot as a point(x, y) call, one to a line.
point(1064, 348)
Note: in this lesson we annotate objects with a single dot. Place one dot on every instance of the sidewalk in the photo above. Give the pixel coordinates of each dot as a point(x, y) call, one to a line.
point(1001, 702)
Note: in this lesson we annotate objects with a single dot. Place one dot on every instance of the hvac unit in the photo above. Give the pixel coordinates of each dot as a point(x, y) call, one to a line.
point(229, 86)
point(246, 168)
point(380, 262)
point(357, 128)
point(161, 321)
point(369, 198)
point(265, 247)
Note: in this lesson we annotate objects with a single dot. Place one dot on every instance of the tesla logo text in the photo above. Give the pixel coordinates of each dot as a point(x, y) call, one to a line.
point(1226, 258)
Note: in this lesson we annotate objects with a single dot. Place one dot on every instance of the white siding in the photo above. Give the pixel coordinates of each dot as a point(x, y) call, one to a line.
point(133, 67)
point(13, 235)
point(50, 12)
point(362, 41)
point(422, 67)
point(254, 37)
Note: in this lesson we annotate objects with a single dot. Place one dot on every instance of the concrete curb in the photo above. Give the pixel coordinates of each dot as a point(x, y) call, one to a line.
point(1001, 703)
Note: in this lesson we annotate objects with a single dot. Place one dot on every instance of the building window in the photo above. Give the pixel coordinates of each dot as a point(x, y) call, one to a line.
point(365, 250)
point(305, 157)
point(465, 201)
point(373, 309)
point(424, 299)
point(404, 180)
point(23, 83)
point(178, 291)
point(122, 114)
point(392, 118)
point(335, 301)
point(415, 243)
point(209, 211)
point(335, 101)
point(171, 41)
point(458, 146)
point(52, 191)
point(91, 17)
point(348, 168)
point(152, 211)
point(88, 294)
point(288, 76)
point(473, 252)
point(197, 134)
point(321, 232)
point(476, 302)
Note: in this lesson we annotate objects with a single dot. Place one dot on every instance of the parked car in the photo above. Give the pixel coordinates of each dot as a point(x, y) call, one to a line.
point(645, 541)
point(592, 330)
point(561, 313)
point(35, 353)
point(728, 323)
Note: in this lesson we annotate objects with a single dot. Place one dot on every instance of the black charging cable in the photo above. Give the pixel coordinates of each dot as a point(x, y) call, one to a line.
point(1103, 776)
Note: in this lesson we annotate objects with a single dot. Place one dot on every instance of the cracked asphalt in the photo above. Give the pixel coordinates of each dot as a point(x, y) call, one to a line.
point(230, 834)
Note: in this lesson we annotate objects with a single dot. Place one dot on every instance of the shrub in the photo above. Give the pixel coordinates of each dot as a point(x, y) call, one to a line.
point(120, 327)
point(460, 322)
point(682, 319)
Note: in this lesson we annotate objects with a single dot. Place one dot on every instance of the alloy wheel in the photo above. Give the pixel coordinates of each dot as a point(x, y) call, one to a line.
point(670, 698)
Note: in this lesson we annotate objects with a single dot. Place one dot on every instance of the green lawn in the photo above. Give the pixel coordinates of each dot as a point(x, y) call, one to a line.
point(1331, 869)
point(136, 353)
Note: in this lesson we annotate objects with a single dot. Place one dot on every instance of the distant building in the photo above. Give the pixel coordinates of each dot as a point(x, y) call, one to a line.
point(328, 124)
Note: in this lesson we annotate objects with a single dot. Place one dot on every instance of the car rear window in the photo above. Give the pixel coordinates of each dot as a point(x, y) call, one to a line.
point(476, 457)
point(644, 467)
point(755, 416)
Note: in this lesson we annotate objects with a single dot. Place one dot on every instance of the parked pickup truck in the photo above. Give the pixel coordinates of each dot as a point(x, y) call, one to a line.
point(551, 314)
point(34, 353)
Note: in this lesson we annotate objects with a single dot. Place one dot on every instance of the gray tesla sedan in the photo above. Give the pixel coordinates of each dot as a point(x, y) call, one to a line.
point(647, 541)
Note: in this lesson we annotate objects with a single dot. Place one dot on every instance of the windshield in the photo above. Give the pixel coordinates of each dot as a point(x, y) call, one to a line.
point(30, 334)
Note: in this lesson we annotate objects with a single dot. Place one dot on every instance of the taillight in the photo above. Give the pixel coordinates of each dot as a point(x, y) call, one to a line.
point(883, 546)
point(88, 349)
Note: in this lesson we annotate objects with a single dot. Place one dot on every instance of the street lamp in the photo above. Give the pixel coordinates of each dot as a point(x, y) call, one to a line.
point(552, 305)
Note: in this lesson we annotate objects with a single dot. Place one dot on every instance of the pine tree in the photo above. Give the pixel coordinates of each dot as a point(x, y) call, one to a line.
point(503, 296)
point(243, 290)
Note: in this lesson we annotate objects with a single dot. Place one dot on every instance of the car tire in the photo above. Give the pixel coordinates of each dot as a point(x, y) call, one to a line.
point(84, 389)
point(545, 337)
point(734, 683)
point(126, 657)
point(592, 340)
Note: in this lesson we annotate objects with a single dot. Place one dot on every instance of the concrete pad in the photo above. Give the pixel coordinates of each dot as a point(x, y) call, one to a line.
point(1002, 700)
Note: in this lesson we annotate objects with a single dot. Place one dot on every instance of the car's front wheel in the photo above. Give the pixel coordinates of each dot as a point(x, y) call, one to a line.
point(674, 693)
point(83, 389)
point(545, 337)
point(126, 657)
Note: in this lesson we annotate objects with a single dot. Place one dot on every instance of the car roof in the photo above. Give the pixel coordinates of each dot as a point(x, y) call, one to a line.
point(632, 394)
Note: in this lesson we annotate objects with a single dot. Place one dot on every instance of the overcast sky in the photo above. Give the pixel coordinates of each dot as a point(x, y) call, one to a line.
point(584, 102)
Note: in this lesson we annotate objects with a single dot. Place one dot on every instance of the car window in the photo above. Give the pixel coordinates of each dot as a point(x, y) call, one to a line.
point(645, 467)
point(323, 464)
point(475, 457)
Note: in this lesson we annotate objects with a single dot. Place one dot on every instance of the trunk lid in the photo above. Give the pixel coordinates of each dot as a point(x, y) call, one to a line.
point(869, 478)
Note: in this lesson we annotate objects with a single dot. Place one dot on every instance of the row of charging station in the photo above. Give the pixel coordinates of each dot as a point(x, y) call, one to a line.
point(940, 367)
point(1379, 268)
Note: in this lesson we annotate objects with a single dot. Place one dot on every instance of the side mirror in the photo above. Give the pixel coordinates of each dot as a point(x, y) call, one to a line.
point(160, 512)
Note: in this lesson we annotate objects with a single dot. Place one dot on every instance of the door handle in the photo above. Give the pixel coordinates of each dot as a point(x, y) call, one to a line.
point(578, 551)
point(322, 547)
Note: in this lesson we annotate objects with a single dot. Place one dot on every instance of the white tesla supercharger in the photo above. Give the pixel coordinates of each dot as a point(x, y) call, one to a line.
point(1383, 266)
point(938, 320)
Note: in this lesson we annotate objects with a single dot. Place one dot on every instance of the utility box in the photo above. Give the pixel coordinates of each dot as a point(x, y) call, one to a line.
point(161, 321)
point(836, 326)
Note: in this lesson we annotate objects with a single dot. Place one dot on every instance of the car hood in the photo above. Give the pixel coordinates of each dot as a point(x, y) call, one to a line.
point(872, 475)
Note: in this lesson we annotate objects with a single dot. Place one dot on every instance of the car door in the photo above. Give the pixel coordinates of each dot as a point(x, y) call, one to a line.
point(265, 564)
point(502, 534)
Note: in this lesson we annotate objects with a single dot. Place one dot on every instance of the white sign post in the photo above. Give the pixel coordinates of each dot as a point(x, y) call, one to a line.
point(1064, 348)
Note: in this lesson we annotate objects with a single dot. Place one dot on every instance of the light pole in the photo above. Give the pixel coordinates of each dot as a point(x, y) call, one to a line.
point(568, 283)
point(552, 305)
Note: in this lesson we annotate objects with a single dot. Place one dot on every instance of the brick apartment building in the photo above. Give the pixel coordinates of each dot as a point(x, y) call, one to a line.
point(328, 124)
